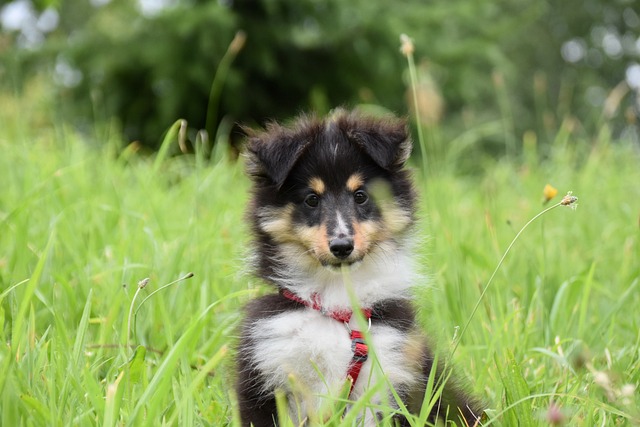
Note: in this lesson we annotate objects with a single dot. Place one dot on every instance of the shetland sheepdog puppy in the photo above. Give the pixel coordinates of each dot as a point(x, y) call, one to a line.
point(332, 214)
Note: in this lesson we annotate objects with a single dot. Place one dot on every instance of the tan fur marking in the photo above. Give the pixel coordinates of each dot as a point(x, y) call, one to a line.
point(364, 234)
point(414, 350)
point(354, 182)
point(395, 218)
point(317, 185)
point(314, 238)
point(277, 222)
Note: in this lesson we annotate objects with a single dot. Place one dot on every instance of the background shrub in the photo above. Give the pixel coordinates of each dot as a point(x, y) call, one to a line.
point(147, 68)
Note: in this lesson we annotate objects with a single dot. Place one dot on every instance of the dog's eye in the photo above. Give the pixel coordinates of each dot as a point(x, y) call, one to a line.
point(360, 197)
point(312, 200)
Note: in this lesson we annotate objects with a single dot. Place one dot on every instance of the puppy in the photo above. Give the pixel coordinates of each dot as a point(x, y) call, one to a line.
point(332, 211)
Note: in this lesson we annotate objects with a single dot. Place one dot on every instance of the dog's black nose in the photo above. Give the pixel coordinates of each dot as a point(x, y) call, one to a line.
point(341, 247)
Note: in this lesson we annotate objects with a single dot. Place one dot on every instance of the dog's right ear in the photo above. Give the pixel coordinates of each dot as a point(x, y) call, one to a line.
point(271, 154)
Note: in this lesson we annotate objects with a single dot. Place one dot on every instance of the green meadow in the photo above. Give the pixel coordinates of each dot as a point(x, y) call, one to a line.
point(93, 235)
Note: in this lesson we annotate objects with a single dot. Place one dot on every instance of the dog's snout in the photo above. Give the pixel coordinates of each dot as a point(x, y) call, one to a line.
point(341, 247)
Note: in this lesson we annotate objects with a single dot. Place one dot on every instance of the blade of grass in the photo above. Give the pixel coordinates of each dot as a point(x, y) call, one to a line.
point(113, 400)
point(197, 381)
point(624, 298)
point(94, 390)
point(161, 381)
point(162, 378)
point(516, 390)
point(584, 305)
point(81, 332)
point(222, 71)
point(38, 408)
point(167, 141)
point(18, 326)
point(11, 288)
point(407, 48)
point(559, 303)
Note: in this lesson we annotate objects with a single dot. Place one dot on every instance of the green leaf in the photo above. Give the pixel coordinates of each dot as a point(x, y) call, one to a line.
point(136, 365)
point(168, 139)
point(18, 326)
point(113, 400)
point(37, 408)
point(78, 345)
point(516, 392)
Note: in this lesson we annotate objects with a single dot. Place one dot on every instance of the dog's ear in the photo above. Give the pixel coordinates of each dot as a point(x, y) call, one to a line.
point(386, 141)
point(272, 154)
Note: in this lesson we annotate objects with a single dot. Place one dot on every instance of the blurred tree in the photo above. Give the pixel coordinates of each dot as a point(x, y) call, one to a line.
point(146, 71)
point(148, 63)
point(317, 54)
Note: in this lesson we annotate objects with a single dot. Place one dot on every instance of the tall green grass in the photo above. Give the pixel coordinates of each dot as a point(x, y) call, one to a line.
point(556, 336)
point(80, 226)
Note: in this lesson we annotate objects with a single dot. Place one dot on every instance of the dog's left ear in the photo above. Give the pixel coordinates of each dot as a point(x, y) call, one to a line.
point(386, 141)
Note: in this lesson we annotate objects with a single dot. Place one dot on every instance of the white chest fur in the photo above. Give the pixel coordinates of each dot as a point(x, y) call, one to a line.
point(307, 355)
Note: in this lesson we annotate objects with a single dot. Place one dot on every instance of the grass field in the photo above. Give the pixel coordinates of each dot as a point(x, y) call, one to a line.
point(555, 340)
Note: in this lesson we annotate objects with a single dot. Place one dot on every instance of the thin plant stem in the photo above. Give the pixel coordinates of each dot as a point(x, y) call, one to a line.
point(186, 276)
point(566, 201)
point(135, 314)
point(219, 78)
point(11, 288)
point(141, 284)
point(407, 50)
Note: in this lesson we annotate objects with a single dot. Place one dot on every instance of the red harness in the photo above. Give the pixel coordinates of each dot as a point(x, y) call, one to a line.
point(358, 345)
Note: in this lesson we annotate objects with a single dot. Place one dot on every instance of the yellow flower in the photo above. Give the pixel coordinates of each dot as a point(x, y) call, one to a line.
point(549, 193)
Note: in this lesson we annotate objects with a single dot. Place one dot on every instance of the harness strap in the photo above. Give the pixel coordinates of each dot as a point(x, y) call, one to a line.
point(343, 316)
point(358, 345)
point(360, 355)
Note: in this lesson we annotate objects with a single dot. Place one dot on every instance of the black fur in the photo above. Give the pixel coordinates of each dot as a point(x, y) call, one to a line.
point(280, 161)
point(377, 147)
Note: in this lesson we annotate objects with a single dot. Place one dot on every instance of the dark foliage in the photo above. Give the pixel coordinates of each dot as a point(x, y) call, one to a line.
point(147, 70)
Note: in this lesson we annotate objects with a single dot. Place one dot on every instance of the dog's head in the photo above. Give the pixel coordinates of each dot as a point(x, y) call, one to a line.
point(329, 192)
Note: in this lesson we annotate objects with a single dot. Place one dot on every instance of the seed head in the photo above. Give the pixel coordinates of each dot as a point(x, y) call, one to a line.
point(238, 42)
point(569, 200)
point(406, 45)
point(142, 283)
